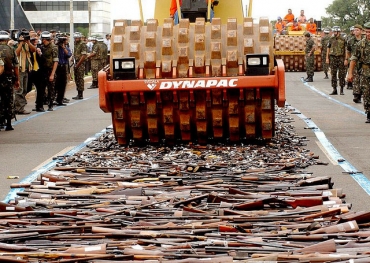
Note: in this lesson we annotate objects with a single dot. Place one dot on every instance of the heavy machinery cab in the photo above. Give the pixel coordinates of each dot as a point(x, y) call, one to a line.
point(192, 9)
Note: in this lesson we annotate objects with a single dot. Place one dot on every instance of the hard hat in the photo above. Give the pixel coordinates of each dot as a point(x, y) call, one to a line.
point(327, 30)
point(100, 39)
point(4, 35)
point(77, 35)
point(46, 35)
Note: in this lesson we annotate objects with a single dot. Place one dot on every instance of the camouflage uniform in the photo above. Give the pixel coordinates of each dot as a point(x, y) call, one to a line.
point(79, 52)
point(337, 45)
point(351, 48)
point(95, 63)
point(46, 62)
point(324, 42)
point(104, 54)
point(310, 58)
point(362, 57)
point(10, 61)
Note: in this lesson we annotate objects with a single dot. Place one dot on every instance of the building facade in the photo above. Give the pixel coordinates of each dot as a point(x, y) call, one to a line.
point(51, 14)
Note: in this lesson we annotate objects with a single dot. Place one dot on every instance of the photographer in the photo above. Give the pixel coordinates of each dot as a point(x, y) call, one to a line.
point(64, 53)
point(23, 51)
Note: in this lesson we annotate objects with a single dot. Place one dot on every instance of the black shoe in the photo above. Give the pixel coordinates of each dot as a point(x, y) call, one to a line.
point(65, 100)
point(40, 110)
point(357, 98)
point(50, 108)
point(78, 98)
point(61, 104)
point(309, 79)
point(334, 92)
point(9, 128)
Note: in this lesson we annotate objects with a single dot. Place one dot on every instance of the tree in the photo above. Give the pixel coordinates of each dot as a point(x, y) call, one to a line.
point(83, 31)
point(346, 13)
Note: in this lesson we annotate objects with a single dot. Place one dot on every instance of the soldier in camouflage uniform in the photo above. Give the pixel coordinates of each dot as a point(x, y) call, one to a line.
point(351, 49)
point(310, 57)
point(80, 54)
point(9, 79)
point(47, 58)
point(337, 51)
point(95, 57)
point(104, 53)
point(362, 57)
point(324, 43)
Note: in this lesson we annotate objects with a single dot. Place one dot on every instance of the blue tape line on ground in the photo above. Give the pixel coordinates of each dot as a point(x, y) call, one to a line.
point(55, 108)
point(332, 99)
point(360, 178)
point(32, 176)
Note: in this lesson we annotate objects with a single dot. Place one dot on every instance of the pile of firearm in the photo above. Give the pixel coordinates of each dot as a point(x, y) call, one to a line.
point(184, 204)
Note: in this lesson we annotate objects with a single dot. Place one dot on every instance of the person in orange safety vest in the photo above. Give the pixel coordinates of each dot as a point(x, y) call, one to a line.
point(296, 26)
point(289, 17)
point(311, 26)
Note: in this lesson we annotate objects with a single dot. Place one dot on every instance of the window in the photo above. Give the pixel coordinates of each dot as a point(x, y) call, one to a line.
point(54, 6)
point(58, 27)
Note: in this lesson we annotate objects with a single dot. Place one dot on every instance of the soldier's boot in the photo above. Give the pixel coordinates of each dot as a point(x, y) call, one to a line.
point(79, 96)
point(326, 75)
point(9, 126)
point(341, 91)
point(334, 92)
point(357, 98)
point(50, 108)
point(367, 118)
point(349, 85)
point(309, 79)
point(94, 85)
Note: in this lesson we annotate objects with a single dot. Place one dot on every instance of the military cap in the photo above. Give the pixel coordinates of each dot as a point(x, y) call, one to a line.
point(77, 35)
point(4, 35)
point(336, 29)
point(307, 34)
point(367, 25)
point(358, 26)
point(46, 35)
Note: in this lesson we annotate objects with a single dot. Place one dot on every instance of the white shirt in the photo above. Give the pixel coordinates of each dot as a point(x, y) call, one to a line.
point(107, 42)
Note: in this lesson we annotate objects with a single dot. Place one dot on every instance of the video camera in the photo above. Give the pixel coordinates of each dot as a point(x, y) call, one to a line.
point(18, 35)
point(60, 39)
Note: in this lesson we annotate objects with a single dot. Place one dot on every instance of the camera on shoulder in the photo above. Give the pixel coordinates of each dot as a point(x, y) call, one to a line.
point(19, 35)
point(60, 39)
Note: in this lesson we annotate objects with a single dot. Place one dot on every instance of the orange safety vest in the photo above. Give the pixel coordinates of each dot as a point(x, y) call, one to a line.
point(279, 26)
point(311, 27)
point(289, 17)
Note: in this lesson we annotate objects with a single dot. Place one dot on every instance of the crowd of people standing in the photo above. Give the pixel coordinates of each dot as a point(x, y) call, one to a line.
point(44, 61)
